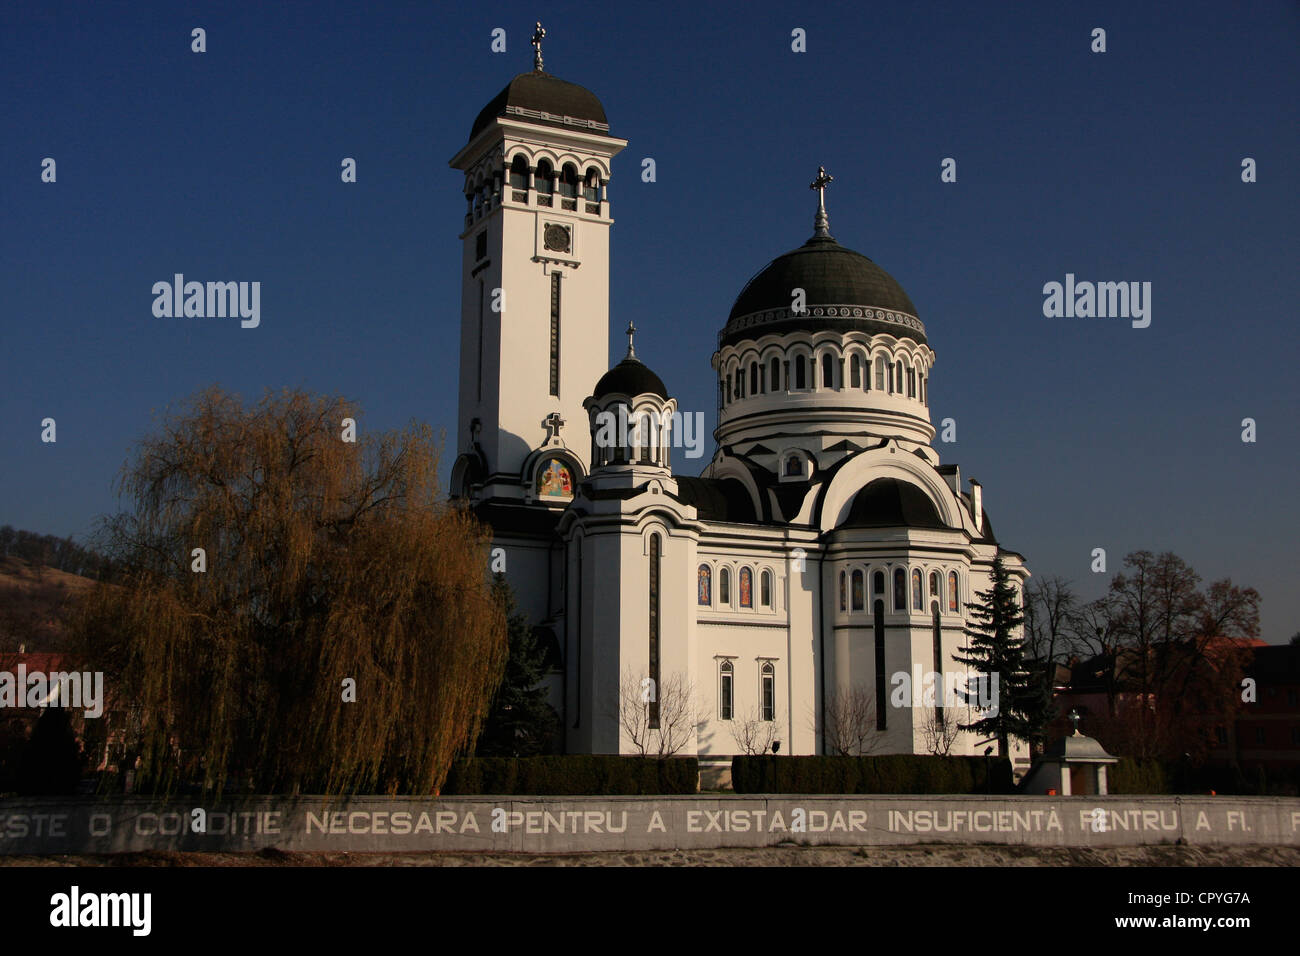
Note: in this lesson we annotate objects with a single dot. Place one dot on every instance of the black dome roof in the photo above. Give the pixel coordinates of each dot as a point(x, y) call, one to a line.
point(831, 276)
point(630, 377)
point(892, 503)
point(547, 94)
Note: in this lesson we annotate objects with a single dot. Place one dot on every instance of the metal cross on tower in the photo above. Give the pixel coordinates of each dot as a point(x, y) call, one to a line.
point(538, 36)
point(631, 331)
point(821, 223)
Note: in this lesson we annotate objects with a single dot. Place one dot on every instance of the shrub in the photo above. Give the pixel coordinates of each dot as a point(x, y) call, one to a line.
point(893, 773)
point(572, 775)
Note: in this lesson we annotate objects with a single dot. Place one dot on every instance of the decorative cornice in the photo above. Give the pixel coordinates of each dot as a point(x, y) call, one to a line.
point(526, 113)
point(770, 316)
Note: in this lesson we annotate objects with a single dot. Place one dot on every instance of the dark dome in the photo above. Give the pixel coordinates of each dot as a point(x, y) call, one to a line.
point(831, 276)
point(630, 377)
point(543, 93)
point(891, 503)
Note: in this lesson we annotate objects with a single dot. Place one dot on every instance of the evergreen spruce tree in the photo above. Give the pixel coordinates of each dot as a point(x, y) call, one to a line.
point(52, 763)
point(995, 648)
point(520, 723)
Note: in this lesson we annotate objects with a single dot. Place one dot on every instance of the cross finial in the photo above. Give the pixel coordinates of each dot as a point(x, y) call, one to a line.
point(553, 423)
point(821, 223)
point(1074, 717)
point(631, 331)
point(538, 36)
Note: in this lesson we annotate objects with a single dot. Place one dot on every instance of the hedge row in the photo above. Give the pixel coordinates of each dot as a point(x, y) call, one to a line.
point(1133, 776)
point(573, 774)
point(895, 773)
point(1136, 776)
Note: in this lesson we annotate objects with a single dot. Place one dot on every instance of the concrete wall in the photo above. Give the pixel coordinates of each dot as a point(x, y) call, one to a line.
point(567, 824)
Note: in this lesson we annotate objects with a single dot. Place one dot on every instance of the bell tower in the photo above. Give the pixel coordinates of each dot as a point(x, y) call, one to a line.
point(534, 282)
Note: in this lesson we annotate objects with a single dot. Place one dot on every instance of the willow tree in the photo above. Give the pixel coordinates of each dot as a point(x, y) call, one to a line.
point(337, 631)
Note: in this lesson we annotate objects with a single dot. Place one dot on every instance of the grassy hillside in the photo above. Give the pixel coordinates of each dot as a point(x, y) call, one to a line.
point(34, 602)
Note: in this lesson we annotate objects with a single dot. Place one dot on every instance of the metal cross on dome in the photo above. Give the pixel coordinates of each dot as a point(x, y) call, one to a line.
point(631, 331)
point(538, 36)
point(821, 223)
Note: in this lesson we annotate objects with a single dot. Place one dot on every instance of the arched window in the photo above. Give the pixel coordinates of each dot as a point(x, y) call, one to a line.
point(519, 177)
point(591, 185)
point(726, 685)
point(704, 586)
point(569, 181)
point(878, 583)
point(918, 593)
point(647, 437)
point(740, 383)
point(746, 587)
point(859, 599)
point(878, 632)
point(543, 183)
point(844, 606)
point(765, 589)
point(934, 584)
point(569, 186)
point(900, 589)
point(828, 370)
point(911, 383)
point(769, 691)
point(724, 587)
point(924, 398)
point(952, 592)
point(938, 658)
point(800, 372)
point(753, 378)
point(880, 373)
point(855, 372)
point(774, 374)
point(653, 629)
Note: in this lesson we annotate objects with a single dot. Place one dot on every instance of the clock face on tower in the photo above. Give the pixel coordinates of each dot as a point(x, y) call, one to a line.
point(556, 238)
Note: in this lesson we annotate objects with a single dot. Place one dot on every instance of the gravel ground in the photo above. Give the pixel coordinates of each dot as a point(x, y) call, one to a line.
point(917, 855)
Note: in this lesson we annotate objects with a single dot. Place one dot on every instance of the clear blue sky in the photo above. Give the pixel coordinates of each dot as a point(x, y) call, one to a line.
point(1118, 166)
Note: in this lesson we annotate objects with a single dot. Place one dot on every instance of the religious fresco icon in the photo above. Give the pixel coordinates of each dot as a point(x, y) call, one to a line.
point(705, 585)
point(746, 587)
point(554, 480)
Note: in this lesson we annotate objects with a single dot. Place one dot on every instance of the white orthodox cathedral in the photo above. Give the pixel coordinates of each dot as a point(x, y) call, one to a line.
point(822, 552)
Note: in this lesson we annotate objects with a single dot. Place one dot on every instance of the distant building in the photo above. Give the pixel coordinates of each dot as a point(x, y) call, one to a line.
point(1106, 691)
point(1266, 732)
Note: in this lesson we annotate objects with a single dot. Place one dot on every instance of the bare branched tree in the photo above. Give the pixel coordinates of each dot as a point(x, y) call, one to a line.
point(1170, 654)
point(679, 713)
point(851, 722)
point(753, 734)
point(939, 730)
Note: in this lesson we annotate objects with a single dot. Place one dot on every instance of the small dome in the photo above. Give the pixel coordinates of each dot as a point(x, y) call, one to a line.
point(892, 503)
point(832, 277)
point(630, 377)
point(560, 103)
